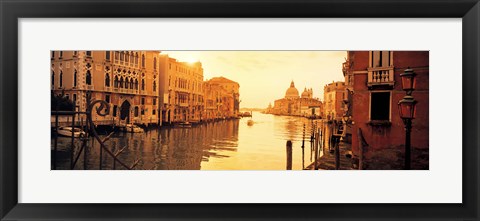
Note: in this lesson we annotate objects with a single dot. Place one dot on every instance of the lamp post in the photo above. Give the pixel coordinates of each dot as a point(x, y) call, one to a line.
point(406, 108)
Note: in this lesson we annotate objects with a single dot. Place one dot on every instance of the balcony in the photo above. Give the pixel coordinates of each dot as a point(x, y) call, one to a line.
point(89, 87)
point(380, 76)
point(183, 104)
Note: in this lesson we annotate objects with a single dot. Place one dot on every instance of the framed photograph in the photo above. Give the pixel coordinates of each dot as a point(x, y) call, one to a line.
point(321, 110)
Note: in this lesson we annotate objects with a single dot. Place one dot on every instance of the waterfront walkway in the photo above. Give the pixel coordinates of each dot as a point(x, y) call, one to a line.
point(327, 161)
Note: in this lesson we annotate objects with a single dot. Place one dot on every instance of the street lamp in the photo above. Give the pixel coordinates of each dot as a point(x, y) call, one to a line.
point(406, 108)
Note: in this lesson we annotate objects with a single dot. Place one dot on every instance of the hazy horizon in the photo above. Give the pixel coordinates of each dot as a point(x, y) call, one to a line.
point(264, 76)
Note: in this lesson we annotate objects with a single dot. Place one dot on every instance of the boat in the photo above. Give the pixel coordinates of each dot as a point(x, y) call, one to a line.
point(185, 124)
point(246, 114)
point(132, 128)
point(250, 122)
point(67, 132)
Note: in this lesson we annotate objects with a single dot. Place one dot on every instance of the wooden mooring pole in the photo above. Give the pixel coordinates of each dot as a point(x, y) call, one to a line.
point(303, 138)
point(289, 155)
point(316, 151)
point(303, 147)
point(360, 147)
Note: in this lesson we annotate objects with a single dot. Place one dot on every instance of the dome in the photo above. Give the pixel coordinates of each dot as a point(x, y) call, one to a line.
point(306, 94)
point(292, 92)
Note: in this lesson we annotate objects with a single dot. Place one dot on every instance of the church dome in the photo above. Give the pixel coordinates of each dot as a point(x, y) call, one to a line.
point(292, 92)
point(305, 94)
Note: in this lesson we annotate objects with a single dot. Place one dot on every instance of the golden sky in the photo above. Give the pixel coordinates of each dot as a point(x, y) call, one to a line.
point(264, 76)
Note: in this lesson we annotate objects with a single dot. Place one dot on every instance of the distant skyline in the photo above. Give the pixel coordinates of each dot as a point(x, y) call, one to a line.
point(264, 76)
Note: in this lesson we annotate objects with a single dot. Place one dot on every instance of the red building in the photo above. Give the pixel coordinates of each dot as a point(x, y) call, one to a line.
point(374, 88)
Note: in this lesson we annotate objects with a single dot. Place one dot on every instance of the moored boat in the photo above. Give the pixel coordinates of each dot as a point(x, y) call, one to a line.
point(185, 124)
point(132, 128)
point(67, 132)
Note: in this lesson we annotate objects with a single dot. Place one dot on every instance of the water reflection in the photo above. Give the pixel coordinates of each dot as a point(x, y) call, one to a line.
point(223, 145)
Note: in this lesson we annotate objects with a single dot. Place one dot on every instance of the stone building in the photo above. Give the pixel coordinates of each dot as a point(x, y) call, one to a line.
point(221, 98)
point(378, 133)
point(334, 95)
point(127, 80)
point(181, 91)
point(232, 88)
point(294, 105)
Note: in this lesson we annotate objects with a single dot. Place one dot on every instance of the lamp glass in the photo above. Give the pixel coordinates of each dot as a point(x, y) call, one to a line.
point(408, 82)
point(407, 109)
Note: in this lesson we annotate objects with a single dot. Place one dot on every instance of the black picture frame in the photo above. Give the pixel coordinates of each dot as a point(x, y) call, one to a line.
point(11, 11)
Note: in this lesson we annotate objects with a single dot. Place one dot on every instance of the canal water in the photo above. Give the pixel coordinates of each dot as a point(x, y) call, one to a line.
point(222, 145)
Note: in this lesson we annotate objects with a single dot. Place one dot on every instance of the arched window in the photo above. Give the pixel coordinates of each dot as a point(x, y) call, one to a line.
point(143, 61)
point(107, 80)
point(117, 55)
point(131, 58)
point(136, 59)
point(126, 57)
point(131, 83)
point(136, 112)
point(88, 78)
point(143, 84)
point(154, 63)
point(61, 78)
point(75, 78)
point(121, 56)
point(53, 78)
point(136, 84)
point(121, 82)
point(154, 86)
point(107, 55)
point(115, 82)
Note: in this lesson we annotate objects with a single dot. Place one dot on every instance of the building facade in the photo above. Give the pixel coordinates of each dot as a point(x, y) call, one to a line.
point(378, 133)
point(221, 98)
point(230, 88)
point(334, 96)
point(181, 91)
point(127, 80)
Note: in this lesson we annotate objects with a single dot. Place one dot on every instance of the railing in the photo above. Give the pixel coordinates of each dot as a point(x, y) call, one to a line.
point(87, 129)
point(380, 76)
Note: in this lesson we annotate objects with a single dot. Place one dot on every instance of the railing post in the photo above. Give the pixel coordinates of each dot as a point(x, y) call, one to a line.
point(84, 143)
point(289, 155)
point(72, 152)
point(337, 154)
point(55, 142)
